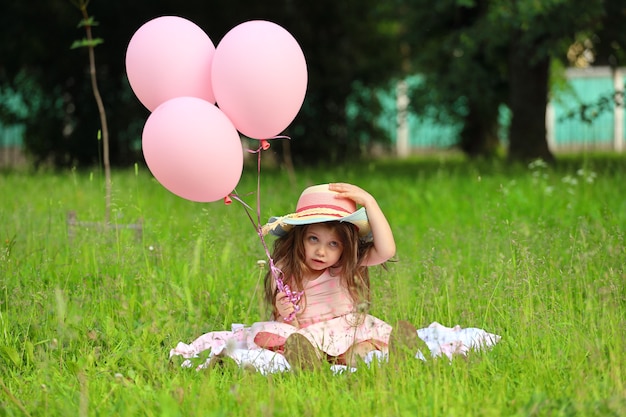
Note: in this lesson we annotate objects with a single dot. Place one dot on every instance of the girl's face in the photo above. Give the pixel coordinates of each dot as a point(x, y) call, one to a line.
point(322, 247)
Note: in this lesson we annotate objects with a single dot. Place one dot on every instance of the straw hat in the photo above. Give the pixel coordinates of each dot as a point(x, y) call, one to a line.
point(318, 204)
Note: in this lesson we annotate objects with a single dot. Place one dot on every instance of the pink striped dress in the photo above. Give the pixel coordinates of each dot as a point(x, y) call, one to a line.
point(328, 319)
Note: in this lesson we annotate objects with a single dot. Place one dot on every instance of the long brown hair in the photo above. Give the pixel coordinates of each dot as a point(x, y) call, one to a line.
point(289, 256)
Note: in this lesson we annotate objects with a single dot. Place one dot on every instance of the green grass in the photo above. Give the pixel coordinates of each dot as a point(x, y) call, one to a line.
point(534, 254)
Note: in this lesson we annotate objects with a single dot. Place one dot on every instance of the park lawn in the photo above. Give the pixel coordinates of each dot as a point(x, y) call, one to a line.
point(532, 253)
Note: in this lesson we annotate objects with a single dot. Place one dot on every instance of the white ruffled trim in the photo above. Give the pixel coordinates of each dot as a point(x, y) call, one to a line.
point(441, 341)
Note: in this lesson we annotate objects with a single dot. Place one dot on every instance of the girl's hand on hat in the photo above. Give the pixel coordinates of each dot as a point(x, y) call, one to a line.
point(284, 307)
point(353, 192)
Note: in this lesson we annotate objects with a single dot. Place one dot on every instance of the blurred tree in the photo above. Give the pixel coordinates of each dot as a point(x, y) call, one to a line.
point(477, 55)
point(30, 68)
point(89, 42)
point(608, 44)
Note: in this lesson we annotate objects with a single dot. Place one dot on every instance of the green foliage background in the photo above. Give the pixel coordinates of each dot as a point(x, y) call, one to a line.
point(466, 50)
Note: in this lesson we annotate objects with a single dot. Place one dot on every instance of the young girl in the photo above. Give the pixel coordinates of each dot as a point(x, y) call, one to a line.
point(324, 250)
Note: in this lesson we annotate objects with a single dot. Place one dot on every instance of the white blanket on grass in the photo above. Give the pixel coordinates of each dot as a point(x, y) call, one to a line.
point(442, 341)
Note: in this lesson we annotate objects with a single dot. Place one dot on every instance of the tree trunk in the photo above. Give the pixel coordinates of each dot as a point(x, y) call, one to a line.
point(479, 136)
point(529, 76)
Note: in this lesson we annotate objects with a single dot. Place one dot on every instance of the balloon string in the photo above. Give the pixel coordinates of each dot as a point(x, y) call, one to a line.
point(277, 274)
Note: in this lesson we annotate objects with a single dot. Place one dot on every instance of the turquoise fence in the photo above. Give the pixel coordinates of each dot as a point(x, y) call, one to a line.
point(599, 124)
point(418, 132)
point(11, 136)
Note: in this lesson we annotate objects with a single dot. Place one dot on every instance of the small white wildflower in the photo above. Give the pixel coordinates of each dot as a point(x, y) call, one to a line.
point(261, 263)
point(588, 176)
point(537, 163)
point(150, 248)
point(568, 179)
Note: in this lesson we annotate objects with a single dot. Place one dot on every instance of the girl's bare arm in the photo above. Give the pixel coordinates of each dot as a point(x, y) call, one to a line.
point(384, 243)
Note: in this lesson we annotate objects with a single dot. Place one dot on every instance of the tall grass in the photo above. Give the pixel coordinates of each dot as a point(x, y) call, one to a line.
point(533, 253)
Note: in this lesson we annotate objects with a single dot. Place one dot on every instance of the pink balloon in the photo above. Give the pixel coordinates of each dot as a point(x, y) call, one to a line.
point(259, 78)
point(169, 57)
point(193, 149)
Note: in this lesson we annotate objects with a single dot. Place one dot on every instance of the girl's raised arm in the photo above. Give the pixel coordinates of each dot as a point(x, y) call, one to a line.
point(384, 244)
